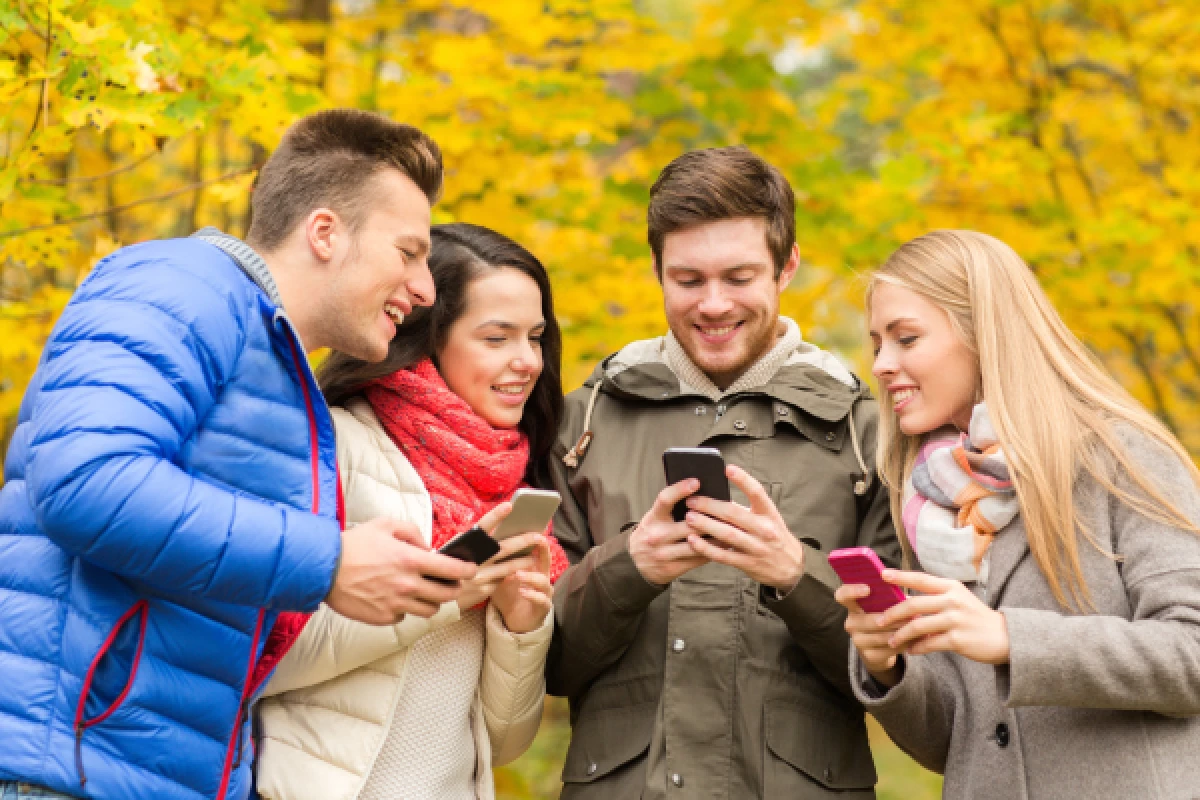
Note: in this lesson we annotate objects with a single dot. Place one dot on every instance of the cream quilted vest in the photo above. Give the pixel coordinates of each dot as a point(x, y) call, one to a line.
point(332, 699)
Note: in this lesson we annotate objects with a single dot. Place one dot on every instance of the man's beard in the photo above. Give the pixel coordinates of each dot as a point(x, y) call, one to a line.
point(757, 347)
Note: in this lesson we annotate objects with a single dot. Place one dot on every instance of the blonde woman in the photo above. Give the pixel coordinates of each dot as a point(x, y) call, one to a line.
point(1051, 644)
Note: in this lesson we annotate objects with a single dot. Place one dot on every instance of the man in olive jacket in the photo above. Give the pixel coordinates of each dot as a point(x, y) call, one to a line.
point(707, 658)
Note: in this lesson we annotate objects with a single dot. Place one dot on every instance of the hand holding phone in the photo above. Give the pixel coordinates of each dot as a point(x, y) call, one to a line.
point(861, 565)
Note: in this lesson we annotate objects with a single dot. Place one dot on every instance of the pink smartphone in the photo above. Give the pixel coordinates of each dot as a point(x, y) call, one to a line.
point(862, 565)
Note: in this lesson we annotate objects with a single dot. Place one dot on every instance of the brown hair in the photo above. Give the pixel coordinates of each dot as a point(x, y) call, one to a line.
point(722, 183)
point(461, 254)
point(326, 159)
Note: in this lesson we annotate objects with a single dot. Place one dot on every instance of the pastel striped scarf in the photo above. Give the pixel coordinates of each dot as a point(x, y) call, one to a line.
point(958, 496)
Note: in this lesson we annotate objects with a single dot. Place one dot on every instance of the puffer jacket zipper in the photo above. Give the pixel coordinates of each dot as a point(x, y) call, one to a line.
point(236, 750)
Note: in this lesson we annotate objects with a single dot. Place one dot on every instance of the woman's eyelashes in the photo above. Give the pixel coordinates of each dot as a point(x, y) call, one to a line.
point(535, 339)
point(903, 341)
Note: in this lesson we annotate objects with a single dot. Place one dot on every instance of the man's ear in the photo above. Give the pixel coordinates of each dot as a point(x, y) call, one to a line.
point(789, 269)
point(321, 231)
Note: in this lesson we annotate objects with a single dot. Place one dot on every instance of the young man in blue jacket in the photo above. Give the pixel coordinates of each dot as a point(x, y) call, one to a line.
point(171, 497)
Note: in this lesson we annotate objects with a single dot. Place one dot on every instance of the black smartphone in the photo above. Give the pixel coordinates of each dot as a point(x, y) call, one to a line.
point(703, 463)
point(472, 545)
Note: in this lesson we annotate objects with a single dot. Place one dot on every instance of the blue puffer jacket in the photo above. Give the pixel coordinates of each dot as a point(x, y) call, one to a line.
point(170, 488)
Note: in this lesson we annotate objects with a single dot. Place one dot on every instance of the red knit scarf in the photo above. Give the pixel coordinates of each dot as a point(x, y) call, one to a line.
point(467, 466)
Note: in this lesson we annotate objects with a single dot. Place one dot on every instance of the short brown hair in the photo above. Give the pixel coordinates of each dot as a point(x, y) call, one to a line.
point(325, 160)
point(722, 183)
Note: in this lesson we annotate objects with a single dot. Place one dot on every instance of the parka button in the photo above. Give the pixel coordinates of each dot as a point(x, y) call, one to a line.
point(592, 767)
point(829, 437)
point(1002, 735)
point(783, 411)
point(739, 424)
point(678, 645)
point(701, 410)
point(677, 779)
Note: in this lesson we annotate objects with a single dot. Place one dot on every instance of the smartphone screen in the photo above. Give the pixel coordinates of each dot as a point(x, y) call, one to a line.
point(703, 463)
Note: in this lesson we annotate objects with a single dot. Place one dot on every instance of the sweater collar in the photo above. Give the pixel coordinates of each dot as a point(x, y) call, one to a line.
point(694, 380)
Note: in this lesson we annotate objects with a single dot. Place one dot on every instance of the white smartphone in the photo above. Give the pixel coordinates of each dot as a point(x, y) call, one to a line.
point(531, 513)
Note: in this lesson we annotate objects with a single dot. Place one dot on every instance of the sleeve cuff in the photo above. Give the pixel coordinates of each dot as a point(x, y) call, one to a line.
point(620, 579)
point(312, 550)
point(870, 692)
point(810, 604)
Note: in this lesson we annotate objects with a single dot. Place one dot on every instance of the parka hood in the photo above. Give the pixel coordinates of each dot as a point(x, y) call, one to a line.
point(812, 379)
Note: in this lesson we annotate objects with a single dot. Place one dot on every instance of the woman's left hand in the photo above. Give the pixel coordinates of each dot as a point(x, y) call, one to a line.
point(525, 597)
point(945, 617)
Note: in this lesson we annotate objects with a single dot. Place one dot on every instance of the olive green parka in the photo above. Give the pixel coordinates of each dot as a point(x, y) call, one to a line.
point(712, 687)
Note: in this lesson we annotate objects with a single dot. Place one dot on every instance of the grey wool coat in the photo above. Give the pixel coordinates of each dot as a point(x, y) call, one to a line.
point(1101, 704)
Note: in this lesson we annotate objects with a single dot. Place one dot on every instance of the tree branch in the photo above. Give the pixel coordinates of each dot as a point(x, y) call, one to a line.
point(101, 176)
point(1175, 320)
point(1141, 360)
point(126, 206)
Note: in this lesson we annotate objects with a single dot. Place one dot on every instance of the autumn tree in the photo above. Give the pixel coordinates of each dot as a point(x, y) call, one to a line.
point(1061, 127)
point(1065, 129)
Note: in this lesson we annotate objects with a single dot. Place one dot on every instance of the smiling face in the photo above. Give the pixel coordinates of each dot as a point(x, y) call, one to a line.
point(493, 352)
point(929, 374)
point(381, 271)
point(721, 294)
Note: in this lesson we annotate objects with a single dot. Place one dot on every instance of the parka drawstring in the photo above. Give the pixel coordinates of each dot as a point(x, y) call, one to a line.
point(861, 485)
point(572, 456)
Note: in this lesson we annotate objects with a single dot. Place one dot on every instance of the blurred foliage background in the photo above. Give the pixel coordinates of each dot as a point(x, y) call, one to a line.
point(1063, 127)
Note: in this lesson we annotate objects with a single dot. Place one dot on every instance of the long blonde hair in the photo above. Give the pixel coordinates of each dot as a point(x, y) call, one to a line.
point(1052, 405)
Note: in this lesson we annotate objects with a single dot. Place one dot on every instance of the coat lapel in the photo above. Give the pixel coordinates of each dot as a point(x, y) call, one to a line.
point(1009, 548)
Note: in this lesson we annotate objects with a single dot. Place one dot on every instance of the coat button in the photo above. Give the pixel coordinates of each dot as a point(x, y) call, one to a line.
point(739, 424)
point(1002, 734)
point(783, 412)
point(592, 768)
point(701, 410)
point(829, 437)
point(677, 779)
point(678, 645)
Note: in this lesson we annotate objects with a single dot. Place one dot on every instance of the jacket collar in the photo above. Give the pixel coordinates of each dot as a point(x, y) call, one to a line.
point(245, 257)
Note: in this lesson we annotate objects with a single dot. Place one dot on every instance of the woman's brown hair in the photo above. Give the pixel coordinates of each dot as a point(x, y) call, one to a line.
point(462, 253)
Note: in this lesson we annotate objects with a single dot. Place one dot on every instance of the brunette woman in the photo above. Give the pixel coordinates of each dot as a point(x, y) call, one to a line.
point(459, 416)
